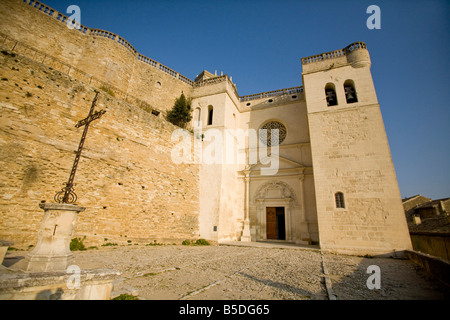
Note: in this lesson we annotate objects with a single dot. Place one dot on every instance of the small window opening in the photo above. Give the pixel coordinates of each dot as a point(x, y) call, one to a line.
point(339, 198)
point(210, 115)
point(155, 112)
point(330, 94)
point(350, 92)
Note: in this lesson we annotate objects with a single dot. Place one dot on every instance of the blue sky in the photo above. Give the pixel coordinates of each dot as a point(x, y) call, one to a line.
point(260, 44)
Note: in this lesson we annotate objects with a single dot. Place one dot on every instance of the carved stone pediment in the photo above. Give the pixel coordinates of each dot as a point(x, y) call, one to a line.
point(275, 190)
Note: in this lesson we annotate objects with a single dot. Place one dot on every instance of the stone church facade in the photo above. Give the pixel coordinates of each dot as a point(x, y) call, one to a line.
point(329, 180)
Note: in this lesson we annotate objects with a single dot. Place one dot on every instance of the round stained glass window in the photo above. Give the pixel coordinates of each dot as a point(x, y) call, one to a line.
point(275, 128)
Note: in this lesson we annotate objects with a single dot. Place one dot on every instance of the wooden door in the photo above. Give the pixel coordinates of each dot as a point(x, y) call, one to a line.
point(271, 222)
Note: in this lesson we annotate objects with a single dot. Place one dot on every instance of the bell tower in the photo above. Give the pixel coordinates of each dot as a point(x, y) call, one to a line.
point(359, 208)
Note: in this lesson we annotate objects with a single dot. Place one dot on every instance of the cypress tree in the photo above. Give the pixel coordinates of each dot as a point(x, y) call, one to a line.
point(180, 114)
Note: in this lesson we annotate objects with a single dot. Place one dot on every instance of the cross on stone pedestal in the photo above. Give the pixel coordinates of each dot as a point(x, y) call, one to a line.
point(52, 251)
point(67, 194)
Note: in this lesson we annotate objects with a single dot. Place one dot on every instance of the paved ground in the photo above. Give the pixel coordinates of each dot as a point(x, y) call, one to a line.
point(268, 271)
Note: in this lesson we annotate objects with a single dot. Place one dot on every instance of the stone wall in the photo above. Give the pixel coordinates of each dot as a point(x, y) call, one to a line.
point(126, 179)
point(96, 53)
point(351, 155)
point(355, 161)
point(432, 243)
point(435, 267)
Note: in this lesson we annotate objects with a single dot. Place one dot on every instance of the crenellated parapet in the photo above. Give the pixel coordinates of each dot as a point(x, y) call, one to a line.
point(334, 54)
point(355, 54)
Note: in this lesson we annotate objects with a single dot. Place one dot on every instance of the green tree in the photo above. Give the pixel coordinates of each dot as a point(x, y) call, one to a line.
point(181, 112)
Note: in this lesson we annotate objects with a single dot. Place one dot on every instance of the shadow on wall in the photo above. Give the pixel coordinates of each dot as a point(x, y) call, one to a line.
point(11, 261)
point(48, 295)
point(398, 279)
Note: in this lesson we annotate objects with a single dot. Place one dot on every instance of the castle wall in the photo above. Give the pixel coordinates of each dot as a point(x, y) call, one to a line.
point(101, 54)
point(126, 179)
point(156, 87)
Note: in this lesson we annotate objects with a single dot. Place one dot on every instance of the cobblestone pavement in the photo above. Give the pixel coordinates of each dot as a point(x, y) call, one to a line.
point(247, 272)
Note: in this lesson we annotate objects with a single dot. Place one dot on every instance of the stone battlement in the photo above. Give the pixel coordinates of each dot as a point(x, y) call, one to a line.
point(334, 54)
point(355, 54)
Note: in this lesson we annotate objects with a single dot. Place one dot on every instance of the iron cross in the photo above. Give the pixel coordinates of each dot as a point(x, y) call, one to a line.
point(67, 194)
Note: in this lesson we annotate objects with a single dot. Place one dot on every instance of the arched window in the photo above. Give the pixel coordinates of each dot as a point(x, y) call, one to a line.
point(339, 198)
point(330, 94)
point(350, 92)
point(210, 115)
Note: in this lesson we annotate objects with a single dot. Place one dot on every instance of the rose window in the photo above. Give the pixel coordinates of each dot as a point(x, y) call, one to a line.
point(277, 129)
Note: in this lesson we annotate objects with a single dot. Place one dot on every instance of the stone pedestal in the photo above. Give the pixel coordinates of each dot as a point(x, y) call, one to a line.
point(52, 251)
point(92, 285)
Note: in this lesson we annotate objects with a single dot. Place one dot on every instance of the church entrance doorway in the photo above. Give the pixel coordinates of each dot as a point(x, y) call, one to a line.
point(275, 222)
